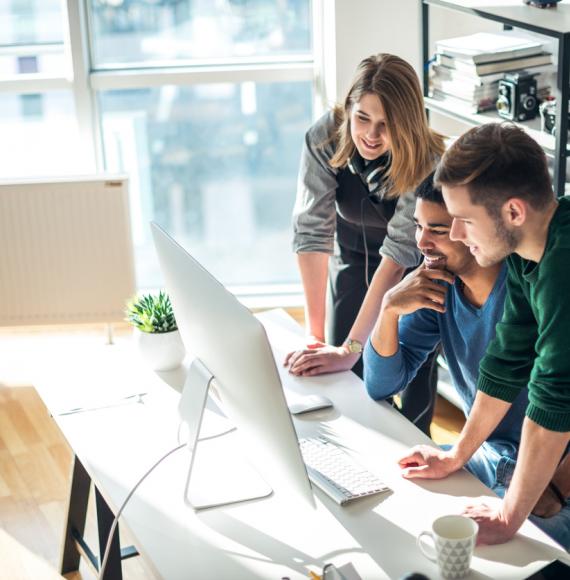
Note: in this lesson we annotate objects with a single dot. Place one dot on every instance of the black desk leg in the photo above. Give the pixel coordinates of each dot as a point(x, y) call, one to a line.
point(105, 519)
point(75, 520)
point(74, 545)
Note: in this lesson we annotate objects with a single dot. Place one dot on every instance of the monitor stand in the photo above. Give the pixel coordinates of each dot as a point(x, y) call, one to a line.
point(218, 474)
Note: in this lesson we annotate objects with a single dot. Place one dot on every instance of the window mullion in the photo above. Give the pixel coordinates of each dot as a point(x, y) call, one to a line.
point(33, 83)
point(79, 57)
point(132, 79)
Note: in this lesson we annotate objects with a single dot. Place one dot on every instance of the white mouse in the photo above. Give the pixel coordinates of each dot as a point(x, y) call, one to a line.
point(309, 403)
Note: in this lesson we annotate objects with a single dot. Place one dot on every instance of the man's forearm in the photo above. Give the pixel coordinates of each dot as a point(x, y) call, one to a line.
point(387, 275)
point(486, 413)
point(538, 458)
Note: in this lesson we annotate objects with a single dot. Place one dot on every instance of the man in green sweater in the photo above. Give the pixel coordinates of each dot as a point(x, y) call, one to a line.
point(497, 188)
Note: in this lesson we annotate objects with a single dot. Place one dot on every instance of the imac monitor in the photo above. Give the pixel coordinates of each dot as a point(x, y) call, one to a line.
point(234, 359)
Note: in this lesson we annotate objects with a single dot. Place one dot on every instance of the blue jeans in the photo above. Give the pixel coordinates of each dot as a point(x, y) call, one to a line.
point(496, 472)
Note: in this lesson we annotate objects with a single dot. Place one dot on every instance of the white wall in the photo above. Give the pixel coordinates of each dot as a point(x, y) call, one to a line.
point(354, 29)
point(357, 29)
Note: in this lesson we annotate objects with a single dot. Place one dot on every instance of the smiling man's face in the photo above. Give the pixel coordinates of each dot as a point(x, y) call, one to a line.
point(433, 224)
point(488, 239)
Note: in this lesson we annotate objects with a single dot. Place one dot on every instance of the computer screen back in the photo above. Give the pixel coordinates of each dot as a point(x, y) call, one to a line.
point(233, 345)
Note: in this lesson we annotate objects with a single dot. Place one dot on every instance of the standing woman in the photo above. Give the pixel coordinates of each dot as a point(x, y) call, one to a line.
point(353, 217)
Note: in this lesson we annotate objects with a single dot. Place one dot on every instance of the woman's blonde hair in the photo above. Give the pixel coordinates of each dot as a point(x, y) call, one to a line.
point(414, 146)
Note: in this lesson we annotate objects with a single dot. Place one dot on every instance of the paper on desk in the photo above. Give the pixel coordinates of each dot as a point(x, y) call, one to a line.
point(93, 379)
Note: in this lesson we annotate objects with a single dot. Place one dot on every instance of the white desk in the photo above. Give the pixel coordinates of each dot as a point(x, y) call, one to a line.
point(272, 538)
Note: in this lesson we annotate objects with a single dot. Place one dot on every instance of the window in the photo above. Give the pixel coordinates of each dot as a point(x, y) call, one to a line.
point(204, 104)
point(184, 31)
point(39, 135)
point(31, 37)
point(37, 117)
point(215, 164)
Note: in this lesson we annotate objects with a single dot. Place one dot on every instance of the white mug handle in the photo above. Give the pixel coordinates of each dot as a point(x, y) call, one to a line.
point(421, 546)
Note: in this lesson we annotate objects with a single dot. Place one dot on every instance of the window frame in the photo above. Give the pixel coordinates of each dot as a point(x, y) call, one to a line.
point(84, 83)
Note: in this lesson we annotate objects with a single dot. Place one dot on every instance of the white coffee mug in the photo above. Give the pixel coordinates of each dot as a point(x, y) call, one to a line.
point(453, 539)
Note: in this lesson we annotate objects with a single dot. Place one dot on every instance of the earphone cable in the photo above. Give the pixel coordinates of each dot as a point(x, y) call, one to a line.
point(363, 230)
point(365, 242)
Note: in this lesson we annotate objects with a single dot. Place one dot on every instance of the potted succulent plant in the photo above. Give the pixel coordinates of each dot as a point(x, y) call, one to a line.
point(156, 331)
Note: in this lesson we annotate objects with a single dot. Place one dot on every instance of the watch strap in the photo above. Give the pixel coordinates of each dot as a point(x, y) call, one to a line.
point(354, 346)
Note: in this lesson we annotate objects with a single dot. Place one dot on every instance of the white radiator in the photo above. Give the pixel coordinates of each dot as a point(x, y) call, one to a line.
point(65, 251)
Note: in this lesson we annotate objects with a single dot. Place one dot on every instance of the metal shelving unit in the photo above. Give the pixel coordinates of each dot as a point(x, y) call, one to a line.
point(555, 23)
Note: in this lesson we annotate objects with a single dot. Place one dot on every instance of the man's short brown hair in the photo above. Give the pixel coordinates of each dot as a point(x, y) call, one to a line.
point(496, 162)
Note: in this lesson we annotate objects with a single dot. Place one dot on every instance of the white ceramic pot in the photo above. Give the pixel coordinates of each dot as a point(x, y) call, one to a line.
point(162, 351)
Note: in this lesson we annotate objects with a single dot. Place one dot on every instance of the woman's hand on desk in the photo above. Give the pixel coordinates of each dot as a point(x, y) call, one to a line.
point(425, 462)
point(312, 361)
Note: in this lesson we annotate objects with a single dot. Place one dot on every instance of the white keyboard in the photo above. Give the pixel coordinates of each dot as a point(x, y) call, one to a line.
point(336, 473)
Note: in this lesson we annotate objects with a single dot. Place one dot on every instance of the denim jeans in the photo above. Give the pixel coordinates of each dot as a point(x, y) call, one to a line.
point(496, 472)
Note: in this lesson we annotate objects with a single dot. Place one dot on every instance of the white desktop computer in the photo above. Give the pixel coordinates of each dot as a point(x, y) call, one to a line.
point(233, 361)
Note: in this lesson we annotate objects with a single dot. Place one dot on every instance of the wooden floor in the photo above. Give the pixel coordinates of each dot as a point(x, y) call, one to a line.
point(447, 422)
point(35, 467)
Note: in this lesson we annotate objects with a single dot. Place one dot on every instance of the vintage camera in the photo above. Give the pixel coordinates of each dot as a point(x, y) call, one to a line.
point(517, 96)
point(548, 116)
point(542, 3)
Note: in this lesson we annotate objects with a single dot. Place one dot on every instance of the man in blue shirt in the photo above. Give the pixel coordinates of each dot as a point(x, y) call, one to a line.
point(452, 300)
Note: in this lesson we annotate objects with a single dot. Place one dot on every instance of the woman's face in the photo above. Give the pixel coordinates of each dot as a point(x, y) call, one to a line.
point(368, 127)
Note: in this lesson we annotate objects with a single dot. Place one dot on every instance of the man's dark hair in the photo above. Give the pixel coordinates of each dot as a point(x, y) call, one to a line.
point(428, 191)
point(496, 162)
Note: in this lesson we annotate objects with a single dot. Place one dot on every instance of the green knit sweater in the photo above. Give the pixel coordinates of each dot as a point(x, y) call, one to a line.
point(532, 343)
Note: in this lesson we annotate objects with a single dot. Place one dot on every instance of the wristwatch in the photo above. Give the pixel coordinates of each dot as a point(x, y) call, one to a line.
point(353, 346)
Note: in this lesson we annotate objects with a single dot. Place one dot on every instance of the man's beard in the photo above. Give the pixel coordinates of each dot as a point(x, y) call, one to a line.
point(510, 238)
point(507, 242)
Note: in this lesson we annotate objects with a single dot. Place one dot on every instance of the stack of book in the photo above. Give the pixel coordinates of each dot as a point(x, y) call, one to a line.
point(467, 69)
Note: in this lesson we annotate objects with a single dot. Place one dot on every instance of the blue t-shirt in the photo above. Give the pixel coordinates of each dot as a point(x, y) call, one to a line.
point(464, 332)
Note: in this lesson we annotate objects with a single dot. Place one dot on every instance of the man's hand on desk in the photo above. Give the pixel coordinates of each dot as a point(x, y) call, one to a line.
point(493, 527)
point(317, 361)
point(428, 462)
point(425, 462)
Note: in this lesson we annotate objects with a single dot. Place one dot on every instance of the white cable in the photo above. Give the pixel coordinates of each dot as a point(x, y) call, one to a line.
point(208, 437)
point(116, 520)
point(121, 509)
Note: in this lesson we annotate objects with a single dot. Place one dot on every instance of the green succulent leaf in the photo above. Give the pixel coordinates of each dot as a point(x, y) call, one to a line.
point(151, 313)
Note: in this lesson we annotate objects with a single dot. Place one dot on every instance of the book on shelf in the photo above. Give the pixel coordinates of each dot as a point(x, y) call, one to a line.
point(472, 79)
point(471, 91)
point(484, 47)
point(476, 104)
point(494, 67)
point(465, 92)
